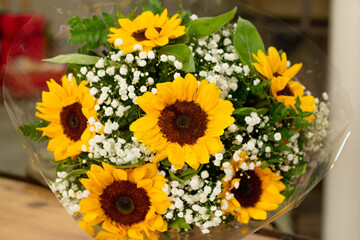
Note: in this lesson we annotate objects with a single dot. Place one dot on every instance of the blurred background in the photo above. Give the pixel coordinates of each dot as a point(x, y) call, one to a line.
point(331, 210)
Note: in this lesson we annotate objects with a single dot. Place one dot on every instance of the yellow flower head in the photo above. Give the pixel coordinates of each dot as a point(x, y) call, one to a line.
point(68, 109)
point(274, 66)
point(282, 87)
point(285, 90)
point(254, 192)
point(147, 30)
point(184, 121)
point(128, 203)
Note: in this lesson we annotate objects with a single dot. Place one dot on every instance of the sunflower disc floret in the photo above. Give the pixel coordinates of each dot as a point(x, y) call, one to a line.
point(147, 30)
point(127, 203)
point(184, 121)
point(250, 194)
point(68, 109)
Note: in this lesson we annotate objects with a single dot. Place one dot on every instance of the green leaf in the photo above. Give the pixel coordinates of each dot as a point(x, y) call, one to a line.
point(179, 223)
point(108, 19)
point(302, 123)
point(118, 14)
point(246, 111)
point(182, 53)
point(166, 234)
point(74, 58)
point(90, 32)
point(264, 165)
point(30, 130)
point(188, 174)
point(306, 114)
point(247, 41)
point(205, 26)
point(297, 104)
point(75, 173)
point(156, 6)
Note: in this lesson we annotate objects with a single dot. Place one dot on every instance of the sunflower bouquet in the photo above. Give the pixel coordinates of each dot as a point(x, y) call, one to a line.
point(165, 124)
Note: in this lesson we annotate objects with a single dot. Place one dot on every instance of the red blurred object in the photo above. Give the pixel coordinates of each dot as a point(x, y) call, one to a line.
point(10, 27)
point(31, 27)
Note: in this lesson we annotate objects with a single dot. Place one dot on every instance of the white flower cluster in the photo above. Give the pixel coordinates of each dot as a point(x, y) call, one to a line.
point(255, 141)
point(68, 192)
point(118, 151)
point(320, 127)
point(116, 81)
point(196, 201)
point(220, 61)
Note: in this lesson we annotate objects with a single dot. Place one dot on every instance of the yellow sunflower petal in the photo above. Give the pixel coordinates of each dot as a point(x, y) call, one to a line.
point(293, 70)
point(175, 155)
point(214, 145)
point(127, 25)
point(143, 124)
point(257, 213)
point(274, 59)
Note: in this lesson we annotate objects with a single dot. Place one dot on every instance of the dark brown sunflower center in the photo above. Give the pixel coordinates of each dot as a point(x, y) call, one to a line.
point(286, 91)
point(140, 36)
point(249, 191)
point(125, 203)
point(276, 74)
point(73, 121)
point(183, 122)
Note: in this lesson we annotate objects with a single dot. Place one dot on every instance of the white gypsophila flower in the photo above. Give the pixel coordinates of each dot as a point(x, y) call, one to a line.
point(176, 75)
point(123, 70)
point(83, 70)
point(246, 70)
point(142, 63)
point(256, 82)
point(171, 58)
point(143, 89)
point(150, 80)
point(193, 17)
point(129, 58)
point(277, 136)
point(137, 47)
point(110, 71)
point(118, 42)
point(178, 65)
point(151, 55)
point(142, 55)
point(100, 63)
point(101, 73)
point(163, 58)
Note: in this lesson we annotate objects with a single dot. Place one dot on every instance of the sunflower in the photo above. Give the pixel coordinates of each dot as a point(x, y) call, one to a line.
point(287, 91)
point(147, 30)
point(283, 88)
point(274, 66)
point(128, 203)
point(68, 108)
point(184, 121)
point(251, 193)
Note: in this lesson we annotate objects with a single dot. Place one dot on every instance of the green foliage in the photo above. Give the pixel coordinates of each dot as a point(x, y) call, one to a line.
point(179, 223)
point(247, 41)
point(246, 111)
point(90, 32)
point(31, 131)
point(206, 26)
point(182, 53)
point(154, 6)
point(74, 173)
point(296, 171)
point(108, 19)
point(188, 174)
point(74, 58)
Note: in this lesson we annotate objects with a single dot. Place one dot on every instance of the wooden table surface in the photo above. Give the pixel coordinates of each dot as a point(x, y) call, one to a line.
point(31, 212)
